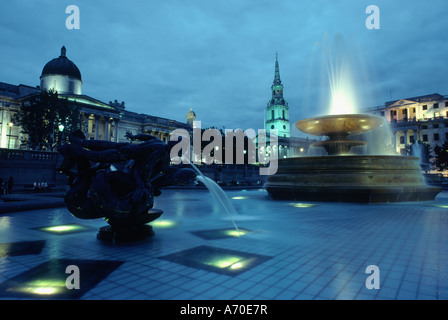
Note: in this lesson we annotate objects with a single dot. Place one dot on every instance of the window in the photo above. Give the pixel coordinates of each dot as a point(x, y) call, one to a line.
point(436, 137)
point(402, 140)
point(425, 137)
point(283, 113)
point(413, 110)
point(272, 127)
point(411, 139)
point(436, 125)
point(425, 127)
point(425, 107)
point(446, 103)
point(435, 105)
point(404, 111)
point(284, 127)
point(272, 114)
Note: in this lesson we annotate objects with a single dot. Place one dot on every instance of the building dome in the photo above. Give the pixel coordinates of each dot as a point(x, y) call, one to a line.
point(191, 117)
point(62, 66)
point(62, 75)
point(191, 113)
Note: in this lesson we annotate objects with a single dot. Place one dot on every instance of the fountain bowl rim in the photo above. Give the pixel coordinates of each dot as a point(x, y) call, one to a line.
point(374, 120)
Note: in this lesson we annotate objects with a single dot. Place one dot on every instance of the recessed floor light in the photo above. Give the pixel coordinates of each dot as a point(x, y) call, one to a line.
point(302, 205)
point(48, 280)
point(224, 261)
point(65, 229)
point(220, 233)
point(164, 224)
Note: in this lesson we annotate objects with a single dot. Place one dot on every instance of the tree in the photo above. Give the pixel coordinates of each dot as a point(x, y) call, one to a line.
point(441, 153)
point(42, 117)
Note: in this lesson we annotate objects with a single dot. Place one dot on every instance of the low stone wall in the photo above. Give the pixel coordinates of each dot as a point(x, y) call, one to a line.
point(231, 174)
point(28, 166)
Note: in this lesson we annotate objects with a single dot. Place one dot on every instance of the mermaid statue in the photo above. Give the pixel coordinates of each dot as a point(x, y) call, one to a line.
point(118, 182)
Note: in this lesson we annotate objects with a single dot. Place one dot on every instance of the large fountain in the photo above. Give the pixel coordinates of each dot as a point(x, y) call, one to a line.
point(342, 175)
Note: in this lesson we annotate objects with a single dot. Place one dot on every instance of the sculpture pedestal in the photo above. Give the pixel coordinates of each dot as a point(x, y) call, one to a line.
point(131, 230)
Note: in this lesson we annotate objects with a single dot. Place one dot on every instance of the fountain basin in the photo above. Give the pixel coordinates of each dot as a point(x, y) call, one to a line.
point(340, 124)
point(338, 128)
point(362, 179)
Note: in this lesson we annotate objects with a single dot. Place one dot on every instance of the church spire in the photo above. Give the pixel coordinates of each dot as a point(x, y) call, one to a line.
point(277, 110)
point(277, 80)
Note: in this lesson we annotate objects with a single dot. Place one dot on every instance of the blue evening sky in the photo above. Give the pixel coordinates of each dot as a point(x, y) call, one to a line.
point(217, 56)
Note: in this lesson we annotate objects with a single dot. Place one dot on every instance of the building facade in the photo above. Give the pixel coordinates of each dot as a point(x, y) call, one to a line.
point(102, 121)
point(422, 118)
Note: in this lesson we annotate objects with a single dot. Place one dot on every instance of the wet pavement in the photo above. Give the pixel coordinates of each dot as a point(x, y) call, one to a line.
point(280, 250)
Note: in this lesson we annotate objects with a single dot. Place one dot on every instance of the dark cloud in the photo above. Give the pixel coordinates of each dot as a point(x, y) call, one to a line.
point(217, 57)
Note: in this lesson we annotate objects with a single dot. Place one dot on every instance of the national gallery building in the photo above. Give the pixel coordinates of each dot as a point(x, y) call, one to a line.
point(103, 121)
point(422, 118)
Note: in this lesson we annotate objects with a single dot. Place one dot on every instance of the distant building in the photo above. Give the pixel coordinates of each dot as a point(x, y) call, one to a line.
point(103, 121)
point(277, 117)
point(422, 118)
point(277, 110)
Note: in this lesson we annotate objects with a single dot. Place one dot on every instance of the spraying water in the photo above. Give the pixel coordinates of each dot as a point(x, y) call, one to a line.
point(340, 76)
point(217, 192)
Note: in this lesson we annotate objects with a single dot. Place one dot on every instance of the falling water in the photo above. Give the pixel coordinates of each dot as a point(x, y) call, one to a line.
point(217, 191)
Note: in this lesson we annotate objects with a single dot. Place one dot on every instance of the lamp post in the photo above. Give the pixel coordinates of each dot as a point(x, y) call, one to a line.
point(10, 124)
point(61, 129)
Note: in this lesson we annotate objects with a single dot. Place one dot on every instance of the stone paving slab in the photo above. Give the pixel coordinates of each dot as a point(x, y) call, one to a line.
point(311, 251)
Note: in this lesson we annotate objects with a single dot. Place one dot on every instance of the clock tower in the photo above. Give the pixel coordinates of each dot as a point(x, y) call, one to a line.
point(277, 110)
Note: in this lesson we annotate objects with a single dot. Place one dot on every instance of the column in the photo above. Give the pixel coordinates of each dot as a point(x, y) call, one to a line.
point(86, 132)
point(106, 130)
point(4, 132)
point(97, 126)
point(116, 130)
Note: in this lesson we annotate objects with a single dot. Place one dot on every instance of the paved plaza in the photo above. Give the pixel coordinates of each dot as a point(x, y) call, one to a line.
point(283, 250)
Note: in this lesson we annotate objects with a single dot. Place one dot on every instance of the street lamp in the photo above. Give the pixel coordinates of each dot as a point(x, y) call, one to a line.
point(10, 124)
point(61, 129)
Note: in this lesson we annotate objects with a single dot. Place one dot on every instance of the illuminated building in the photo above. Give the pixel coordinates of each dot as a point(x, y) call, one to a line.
point(102, 121)
point(422, 118)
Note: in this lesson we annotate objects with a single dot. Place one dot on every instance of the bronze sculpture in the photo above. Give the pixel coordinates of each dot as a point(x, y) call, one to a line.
point(118, 182)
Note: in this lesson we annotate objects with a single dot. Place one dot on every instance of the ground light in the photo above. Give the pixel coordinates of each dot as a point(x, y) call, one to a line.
point(220, 233)
point(64, 229)
point(219, 260)
point(302, 205)
point(164, 224)
point(235, 233)
point(48, 280)
point(42, 287)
